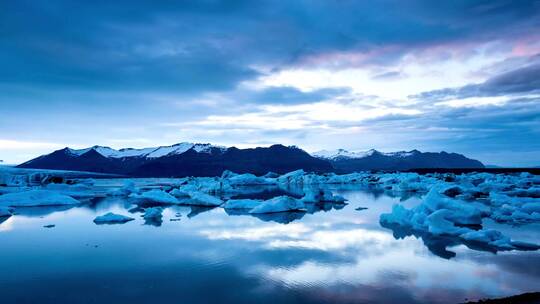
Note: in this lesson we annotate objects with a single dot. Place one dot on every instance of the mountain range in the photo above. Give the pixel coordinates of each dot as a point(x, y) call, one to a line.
point(188, 159)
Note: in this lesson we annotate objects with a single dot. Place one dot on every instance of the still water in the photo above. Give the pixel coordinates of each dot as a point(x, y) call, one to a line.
point(333, 254)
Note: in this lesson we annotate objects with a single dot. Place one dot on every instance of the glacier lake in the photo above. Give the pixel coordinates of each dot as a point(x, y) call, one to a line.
point(333, 253)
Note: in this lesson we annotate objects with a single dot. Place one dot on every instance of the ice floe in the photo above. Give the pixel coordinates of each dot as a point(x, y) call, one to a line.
point(203, 199)
point(279, 204)
point(36, 198)
point(127, 189)
point(242, 204)
point(154, 196)
point(112, 218)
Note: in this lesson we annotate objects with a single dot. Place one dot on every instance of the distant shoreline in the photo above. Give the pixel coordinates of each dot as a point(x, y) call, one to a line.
point(535, 171)
point(530, 297)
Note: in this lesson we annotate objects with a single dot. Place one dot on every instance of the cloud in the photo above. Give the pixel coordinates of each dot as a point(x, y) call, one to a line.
point(521, 81)
point(214, 45)
point(6, 144)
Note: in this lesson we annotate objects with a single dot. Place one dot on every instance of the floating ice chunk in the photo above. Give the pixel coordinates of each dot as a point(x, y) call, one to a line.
point(77, 190)
point(127, 189)
point(402, 217)
point(317, 194)
point(155, 196)
point(245, 204)
point(294, 177)
point(271, 175)
point(351, 178)
point(179, 193)
point(490, 237)
point(203, 199)
point(206, 185)
point(248, 179)
point(36, 198)
point(112, 218)
point(452, 191)
point(279, 204)
point(153, 213)
point(5, 212)
point(439, 224)
point(531, 207)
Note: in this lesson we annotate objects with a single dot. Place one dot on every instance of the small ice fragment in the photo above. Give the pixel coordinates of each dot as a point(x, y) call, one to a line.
point(112, 218)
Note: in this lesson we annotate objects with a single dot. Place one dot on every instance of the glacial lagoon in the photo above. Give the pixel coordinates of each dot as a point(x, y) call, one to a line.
point(333, 253)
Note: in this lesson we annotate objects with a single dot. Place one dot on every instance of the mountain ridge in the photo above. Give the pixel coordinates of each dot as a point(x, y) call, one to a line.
point(197, 159)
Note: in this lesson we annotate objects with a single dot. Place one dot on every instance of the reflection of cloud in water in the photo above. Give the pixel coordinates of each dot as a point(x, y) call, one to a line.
point(527, 264)
point(419, 272)
point(293, 230)
point(6, 223)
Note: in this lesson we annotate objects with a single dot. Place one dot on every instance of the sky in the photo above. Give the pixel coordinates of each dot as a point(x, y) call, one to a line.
point(458, 76)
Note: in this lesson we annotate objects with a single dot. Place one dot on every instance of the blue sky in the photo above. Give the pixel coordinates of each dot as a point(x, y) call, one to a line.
point(461, 76)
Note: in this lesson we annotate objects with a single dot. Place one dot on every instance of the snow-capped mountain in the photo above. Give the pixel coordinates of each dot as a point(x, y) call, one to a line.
point(153, 152)
point(345, 161)
point(183, 159)
point(190, 159)
point(342, 153)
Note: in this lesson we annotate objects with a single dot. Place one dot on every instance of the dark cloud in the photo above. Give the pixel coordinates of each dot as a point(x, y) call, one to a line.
point(524, 80)
point(212, 45)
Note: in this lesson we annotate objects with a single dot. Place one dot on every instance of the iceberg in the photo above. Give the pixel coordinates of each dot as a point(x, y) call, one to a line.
point(76, 190)
point(153, 216)
point(36, 198)
point(441, 215)
point(154, 213)
point(279, 204)
point(5, 212)
point(242, 204)
point(112, 218)
point(203, 199)
point(294, 177)
point(155, 196)
point(127, 189)
point(248, 179)
point(315, 194)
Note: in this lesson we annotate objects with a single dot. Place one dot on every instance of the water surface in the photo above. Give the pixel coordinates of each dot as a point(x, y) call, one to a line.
point(333, 254)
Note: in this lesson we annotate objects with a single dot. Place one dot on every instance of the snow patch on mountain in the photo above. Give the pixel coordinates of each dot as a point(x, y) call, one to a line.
point(342, 153)
point(152, 152)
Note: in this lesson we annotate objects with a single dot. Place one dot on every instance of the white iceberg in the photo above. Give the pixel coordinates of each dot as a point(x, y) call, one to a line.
point(112, 218)
point(279, 204)
point(36, 198)
point(203, 199)
point(155, 196)
point(242, 204)
point(248, 179)
point(294, 177)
